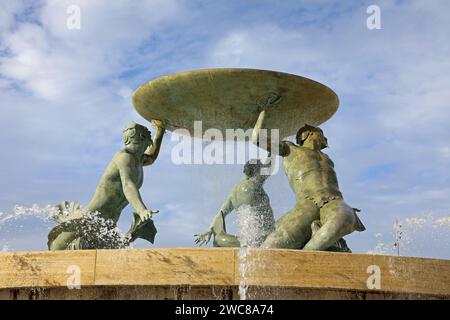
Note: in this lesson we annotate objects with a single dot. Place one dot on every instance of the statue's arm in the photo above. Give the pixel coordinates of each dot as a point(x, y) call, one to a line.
point(152, 153)
point(125, 164)
point(218, 224)
point(281, 148)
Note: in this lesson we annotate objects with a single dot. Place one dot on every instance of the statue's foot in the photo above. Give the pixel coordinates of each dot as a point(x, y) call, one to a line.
point(340, 246)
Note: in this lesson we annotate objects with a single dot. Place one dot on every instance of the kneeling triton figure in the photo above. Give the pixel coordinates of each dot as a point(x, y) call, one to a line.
point(320, 217)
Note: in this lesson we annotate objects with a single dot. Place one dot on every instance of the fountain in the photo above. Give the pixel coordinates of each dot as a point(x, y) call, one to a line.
point(271, 269)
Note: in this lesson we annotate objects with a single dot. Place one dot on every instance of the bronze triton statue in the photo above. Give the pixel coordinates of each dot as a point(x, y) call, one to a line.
point(320, 217)
point(238, 98)
point(118, 187)
point(252, 205)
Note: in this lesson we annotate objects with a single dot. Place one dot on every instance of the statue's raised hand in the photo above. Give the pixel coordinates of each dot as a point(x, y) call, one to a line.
point(147, 214)
point(158, 124)
point(203, 238)
point(269, 101)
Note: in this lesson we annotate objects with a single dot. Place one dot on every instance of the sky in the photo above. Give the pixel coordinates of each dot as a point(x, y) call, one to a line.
point(65, 96)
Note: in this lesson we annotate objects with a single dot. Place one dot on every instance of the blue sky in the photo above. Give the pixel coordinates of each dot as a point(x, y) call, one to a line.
point(65, 98)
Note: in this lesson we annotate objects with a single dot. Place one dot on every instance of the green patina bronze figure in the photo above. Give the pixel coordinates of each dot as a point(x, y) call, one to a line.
point(320, 217)
point(252, 206)
point(90, 227)
point(237, 98)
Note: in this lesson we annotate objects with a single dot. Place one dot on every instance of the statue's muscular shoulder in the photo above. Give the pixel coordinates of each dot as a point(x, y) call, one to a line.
point(305, 158)
point(285, 148)
point(124, 158)
point(294, 150)
point(123, 155)
point(120, 160)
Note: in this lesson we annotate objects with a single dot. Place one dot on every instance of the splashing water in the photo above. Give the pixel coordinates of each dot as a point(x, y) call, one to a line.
point(416, 236)
point(94, 228)
point(244, 265)
point(44, 213)
point(255, 224)
point(380, 247)
point(97, 232)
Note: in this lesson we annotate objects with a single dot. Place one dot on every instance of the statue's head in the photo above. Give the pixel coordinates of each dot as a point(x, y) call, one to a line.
point(310, 132)
point(252, 168)
point(137, 137)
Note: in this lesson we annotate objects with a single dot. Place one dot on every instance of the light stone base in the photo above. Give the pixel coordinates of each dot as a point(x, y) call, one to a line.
point(191, 273)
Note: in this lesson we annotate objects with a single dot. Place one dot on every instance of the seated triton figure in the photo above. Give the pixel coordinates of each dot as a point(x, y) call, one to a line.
point(118, 187)
point(320, 217)
point(252, 205)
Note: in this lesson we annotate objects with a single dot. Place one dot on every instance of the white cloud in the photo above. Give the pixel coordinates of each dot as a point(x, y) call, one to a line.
point(264, 46)
point(7, 14)
point(52, 61)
